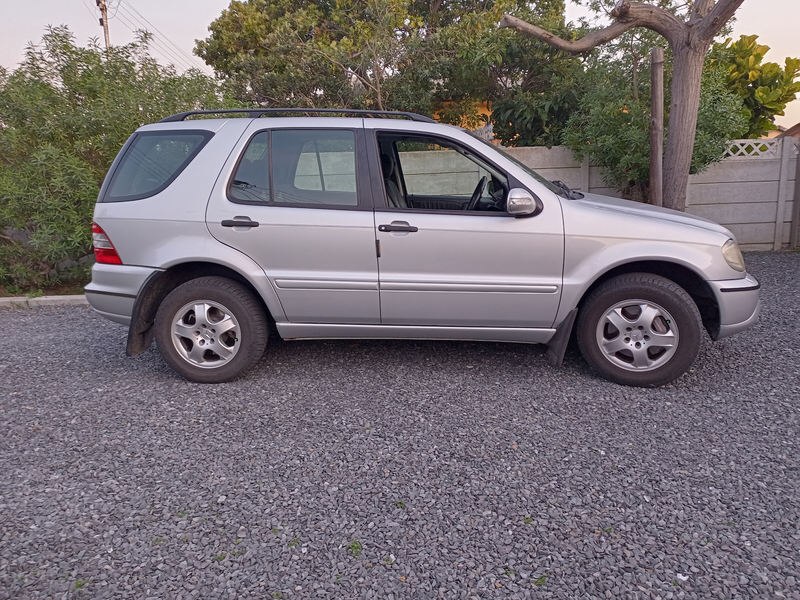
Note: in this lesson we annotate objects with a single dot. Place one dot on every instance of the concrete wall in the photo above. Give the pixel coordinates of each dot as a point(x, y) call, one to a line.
point(338, 171)
point(752, 196)
point(447, 173)
point(752, 192)
point(439, 173)
point(558, 163)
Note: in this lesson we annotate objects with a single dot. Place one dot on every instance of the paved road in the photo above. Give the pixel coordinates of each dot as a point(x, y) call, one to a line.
point(398, 469)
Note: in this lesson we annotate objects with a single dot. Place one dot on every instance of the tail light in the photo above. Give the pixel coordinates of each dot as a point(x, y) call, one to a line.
point(104, 250)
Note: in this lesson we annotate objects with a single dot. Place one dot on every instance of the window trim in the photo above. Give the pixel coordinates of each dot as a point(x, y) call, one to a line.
point(429, 211)
point(238, 163)
point(360, 166)
point(108, 183)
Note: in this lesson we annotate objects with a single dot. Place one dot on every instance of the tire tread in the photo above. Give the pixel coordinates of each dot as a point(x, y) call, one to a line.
point(641, 284)
point(257, 328)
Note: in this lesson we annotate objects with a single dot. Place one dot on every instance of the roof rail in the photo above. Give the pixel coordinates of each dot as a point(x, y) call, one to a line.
point(254, 113)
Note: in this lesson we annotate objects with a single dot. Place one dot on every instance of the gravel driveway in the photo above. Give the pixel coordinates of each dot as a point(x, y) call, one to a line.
point(398, 469)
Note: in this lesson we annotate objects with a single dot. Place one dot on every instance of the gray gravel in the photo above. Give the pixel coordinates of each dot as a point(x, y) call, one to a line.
point(398, 469)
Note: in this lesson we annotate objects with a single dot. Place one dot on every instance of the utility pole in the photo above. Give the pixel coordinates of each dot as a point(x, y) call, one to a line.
point(104, 20)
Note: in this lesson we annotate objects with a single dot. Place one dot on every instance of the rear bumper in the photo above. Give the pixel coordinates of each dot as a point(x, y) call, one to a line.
point(739, 304)
point(113, 290)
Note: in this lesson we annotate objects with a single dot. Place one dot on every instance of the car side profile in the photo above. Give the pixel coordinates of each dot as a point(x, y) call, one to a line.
point(208, 231)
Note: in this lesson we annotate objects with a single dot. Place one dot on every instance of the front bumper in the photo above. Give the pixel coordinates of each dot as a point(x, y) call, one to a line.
point(113, 290)
point(738, 302)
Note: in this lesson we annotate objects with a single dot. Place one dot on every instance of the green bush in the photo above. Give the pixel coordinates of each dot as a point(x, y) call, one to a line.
point(764, 87)
point(612, 128)
point(64, 115)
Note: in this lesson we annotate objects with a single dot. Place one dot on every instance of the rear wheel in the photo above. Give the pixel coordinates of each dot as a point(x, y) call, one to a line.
point(211, 330)
point(639, 329)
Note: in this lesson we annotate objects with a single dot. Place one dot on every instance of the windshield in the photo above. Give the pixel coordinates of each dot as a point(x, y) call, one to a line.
point(549, 185)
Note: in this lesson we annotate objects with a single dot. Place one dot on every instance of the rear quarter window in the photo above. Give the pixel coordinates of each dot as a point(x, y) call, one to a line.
point(151, 161)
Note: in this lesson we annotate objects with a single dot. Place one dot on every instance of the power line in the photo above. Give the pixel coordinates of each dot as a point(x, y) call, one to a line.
point(156, 43)
point(135, 25)
point(161, 49)
point(129, 19)
point(177, 47)
point(115, 11)
point(90, 9)
point(138, 17)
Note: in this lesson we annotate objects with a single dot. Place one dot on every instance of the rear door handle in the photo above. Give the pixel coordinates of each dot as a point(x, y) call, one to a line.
point(398, 226)
point(239, 222)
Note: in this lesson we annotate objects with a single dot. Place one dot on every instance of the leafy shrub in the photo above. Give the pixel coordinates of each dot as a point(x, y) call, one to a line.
point(764, 87)
point(535, 118)
point(64, 115)
point(612, 128)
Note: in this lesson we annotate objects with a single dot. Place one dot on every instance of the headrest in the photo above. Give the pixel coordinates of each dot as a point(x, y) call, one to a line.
point(387, 164)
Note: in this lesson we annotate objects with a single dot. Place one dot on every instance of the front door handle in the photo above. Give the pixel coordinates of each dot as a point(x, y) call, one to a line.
point(239, 222)
point(398, 226)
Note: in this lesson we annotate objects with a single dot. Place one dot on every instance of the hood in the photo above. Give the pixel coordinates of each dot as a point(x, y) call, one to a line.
point(627, 207)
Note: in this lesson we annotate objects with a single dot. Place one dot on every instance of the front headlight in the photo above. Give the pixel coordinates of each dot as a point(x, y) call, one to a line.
point(733, 256)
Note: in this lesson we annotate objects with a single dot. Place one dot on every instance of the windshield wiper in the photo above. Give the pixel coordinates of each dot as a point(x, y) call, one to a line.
point(568, 193)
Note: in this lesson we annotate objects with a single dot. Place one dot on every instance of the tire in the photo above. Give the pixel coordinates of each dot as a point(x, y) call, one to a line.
point(211, 330)
point(640, 330)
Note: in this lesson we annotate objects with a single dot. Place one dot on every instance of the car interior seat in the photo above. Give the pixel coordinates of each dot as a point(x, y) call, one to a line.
point(396, 197)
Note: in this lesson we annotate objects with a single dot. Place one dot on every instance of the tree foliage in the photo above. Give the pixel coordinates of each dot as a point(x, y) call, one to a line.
point(64, 114)
point(764, 87)
point(611, 125)
point(312, 54)
point(428, 56)
point(530, 86)
point(612, 128)
point(689, 29)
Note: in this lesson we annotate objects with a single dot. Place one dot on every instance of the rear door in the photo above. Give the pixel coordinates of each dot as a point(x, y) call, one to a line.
point(450, 255)
point(292, 198)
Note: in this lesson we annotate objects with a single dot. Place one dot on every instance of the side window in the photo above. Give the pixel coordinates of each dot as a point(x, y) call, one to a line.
point(152, 161)
point(430, 173)
point(251, 181)
point(314, 166)
point(430, 169)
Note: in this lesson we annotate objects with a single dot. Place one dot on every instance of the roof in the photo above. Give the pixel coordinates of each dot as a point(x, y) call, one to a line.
point(793, 131)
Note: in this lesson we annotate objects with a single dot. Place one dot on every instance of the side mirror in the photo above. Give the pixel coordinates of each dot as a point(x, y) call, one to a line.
point(521, 203)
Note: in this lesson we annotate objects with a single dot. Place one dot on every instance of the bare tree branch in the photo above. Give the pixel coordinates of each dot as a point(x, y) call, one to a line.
point(344, 69)
point(722, 12)
point(699, 10)
point(627, 14)
point(584, 44)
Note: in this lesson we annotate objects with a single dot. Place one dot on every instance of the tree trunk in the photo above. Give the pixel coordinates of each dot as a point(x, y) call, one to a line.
point(657, 127)
point(689, 42)
point(684, 104)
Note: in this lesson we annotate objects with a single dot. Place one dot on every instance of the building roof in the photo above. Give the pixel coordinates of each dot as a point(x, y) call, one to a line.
point(793, 131)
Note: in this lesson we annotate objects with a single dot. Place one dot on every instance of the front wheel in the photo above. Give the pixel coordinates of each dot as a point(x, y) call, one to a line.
point(210, 330)
point(639, 329)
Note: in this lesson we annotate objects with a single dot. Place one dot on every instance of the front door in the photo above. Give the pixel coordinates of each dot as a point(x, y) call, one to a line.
point(449, 253)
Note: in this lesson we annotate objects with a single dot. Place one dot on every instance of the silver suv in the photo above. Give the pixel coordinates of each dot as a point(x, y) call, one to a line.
point(389, 225)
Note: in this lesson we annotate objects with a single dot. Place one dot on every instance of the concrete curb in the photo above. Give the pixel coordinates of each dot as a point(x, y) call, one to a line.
point(25, 302)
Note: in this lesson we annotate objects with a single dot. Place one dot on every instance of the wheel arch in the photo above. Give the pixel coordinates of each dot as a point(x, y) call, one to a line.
point(161, 283)
point(689, 280)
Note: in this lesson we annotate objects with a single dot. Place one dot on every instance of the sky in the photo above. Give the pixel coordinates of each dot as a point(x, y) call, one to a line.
point(177, 24)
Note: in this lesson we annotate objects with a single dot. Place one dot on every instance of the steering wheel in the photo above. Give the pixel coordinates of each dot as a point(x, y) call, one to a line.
point(476, 195)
